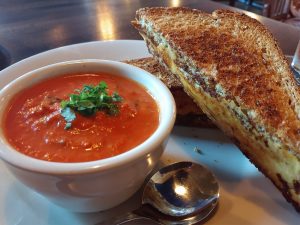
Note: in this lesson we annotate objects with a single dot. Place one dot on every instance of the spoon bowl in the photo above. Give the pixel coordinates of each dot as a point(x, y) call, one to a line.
point(181, 189)
point(182, 193)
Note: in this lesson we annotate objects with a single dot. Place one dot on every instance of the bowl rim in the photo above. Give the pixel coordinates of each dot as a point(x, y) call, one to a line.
point(167, 114)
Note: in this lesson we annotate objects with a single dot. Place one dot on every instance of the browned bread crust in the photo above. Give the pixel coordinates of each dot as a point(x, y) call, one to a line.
point(188, 113)
point(149, 64)
point(233, 68)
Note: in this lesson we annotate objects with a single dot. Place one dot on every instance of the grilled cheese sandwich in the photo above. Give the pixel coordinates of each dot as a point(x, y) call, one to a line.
point(234, 70)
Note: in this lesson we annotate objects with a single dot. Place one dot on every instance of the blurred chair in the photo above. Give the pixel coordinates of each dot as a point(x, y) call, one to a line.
point(230, 2)
point(295, 13)
point(287, 11)
point(295, 8)
point(277, 9)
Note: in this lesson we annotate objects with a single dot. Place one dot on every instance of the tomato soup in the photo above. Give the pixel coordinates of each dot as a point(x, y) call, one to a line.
point(33, 123)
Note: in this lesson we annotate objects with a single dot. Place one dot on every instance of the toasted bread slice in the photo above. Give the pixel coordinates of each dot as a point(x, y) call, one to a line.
point(188, 113)
point(232, 67)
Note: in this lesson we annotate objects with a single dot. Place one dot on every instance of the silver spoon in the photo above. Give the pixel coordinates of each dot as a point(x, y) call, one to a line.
point(182, 193)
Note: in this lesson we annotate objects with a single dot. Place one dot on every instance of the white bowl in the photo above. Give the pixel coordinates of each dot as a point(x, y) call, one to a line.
point(96, 185)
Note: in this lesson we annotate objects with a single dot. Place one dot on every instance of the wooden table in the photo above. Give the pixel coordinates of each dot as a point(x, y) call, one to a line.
point(28, 27)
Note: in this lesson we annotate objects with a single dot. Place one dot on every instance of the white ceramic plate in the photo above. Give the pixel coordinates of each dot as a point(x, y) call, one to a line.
point(247, 197)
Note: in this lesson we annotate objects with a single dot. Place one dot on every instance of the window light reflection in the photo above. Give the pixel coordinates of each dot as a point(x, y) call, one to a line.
point(175, 3)
point(180, 190)
point(105, 23)
point(149, 160)
point(58, 34)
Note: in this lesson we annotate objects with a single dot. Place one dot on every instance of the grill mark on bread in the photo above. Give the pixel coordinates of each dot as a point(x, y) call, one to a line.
point(285, 187)
point(297, 186)
point(150, 65)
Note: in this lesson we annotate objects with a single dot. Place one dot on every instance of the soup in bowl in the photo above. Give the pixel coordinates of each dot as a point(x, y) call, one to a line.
point(84, 134)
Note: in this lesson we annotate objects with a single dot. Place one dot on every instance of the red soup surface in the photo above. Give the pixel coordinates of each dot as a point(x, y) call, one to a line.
point(34, 125)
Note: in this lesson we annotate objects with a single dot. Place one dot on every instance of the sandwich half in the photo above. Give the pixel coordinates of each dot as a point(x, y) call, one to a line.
point(234, 70)
point(188, 113)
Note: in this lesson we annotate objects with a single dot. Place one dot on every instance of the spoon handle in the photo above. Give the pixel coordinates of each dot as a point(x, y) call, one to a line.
point(131, 218)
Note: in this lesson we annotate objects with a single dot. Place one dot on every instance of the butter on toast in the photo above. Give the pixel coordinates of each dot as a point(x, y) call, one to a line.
point(188, 113)
point(232, 67)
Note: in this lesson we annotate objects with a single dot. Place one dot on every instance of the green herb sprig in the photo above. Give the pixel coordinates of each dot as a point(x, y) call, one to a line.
point(88, 101)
